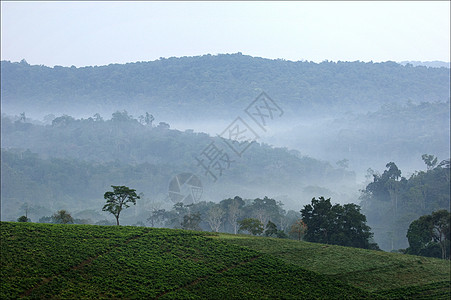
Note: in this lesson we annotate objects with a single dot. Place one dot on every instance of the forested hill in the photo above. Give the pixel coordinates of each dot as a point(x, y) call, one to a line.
point(209, 86)
point(73, 162)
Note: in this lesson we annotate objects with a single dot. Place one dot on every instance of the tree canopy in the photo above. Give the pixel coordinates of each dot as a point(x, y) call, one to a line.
point(336, 224)
point(429, 235)
point(119, 199)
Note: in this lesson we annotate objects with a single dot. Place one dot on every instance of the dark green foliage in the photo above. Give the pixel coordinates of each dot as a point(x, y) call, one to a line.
point(43, 261)
point(430, 235)
point(23, 219)
point(271, 229)
point(254, 226)
point(335, 224)
point(119, 199)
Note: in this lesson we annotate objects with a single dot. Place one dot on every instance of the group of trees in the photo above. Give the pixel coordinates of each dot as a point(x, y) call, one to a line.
point(60, 217)
point(391, 202)
point(225, 216)
point(319, 221)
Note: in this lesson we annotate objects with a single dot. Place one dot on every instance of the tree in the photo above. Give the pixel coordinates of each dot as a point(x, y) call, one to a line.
point(121, 116)
point(149, 119)
point(271, 229)
point(336, 224)
point(23, 219)
point(298, 228)
point(62, 121)
point(429, 160)
point(233, 208)
point(97, 117)
point(158, 216)
point(191, 221)
point(441, 230)
point(119, 199)
point(214, 217)
point(344, 163)
point(62, 217)
point(163, 125)
point(22, 117)
point(254, 226)
point(429, 235)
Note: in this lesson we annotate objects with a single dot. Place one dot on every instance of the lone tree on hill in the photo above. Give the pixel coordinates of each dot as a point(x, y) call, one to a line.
point(117, 200)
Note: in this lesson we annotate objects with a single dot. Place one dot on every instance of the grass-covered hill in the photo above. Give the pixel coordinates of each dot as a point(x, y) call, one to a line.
point(219, 85)
point(56, 261)
point(42, 261)
point(390, 275)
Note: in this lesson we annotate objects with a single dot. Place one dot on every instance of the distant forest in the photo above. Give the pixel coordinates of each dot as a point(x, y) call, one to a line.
point(218, 86)
point(70, 133)
point(72, 162)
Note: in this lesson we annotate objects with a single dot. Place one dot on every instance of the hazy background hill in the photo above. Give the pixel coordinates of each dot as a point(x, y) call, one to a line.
point(366, 113)
point(72, 165)
point(207, 87)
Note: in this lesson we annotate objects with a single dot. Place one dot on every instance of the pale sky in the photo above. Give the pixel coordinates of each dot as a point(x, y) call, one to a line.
point(100, 33)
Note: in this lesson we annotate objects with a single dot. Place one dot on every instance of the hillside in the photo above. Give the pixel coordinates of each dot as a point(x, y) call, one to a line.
point(42, 261)
point(66, 261)
point(208, 87)
point(384, 274)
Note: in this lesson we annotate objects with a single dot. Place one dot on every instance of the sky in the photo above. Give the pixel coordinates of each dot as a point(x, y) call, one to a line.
point(99, 33)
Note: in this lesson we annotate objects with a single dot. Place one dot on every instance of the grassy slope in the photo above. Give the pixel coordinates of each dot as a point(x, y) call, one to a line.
point(42, 261)
point(382, 273)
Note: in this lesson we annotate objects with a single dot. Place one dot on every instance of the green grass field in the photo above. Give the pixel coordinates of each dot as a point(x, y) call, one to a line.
point(43, 261)
point(381, 273)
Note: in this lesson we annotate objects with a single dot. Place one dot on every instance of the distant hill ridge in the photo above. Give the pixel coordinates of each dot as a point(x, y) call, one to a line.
point(217, 85)
point(431, 64)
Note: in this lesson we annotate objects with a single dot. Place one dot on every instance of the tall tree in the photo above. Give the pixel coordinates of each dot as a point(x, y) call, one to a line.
point(298, 228)
point(271, 229)
point(119, 199)
point(233, 209)
point(214, 217)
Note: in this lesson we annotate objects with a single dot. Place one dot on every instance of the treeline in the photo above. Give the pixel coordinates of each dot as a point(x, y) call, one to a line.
point(319, 222)
point(219, 85)
point(391, 202)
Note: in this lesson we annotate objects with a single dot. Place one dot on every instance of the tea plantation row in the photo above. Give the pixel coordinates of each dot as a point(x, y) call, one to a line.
point(41, 261)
